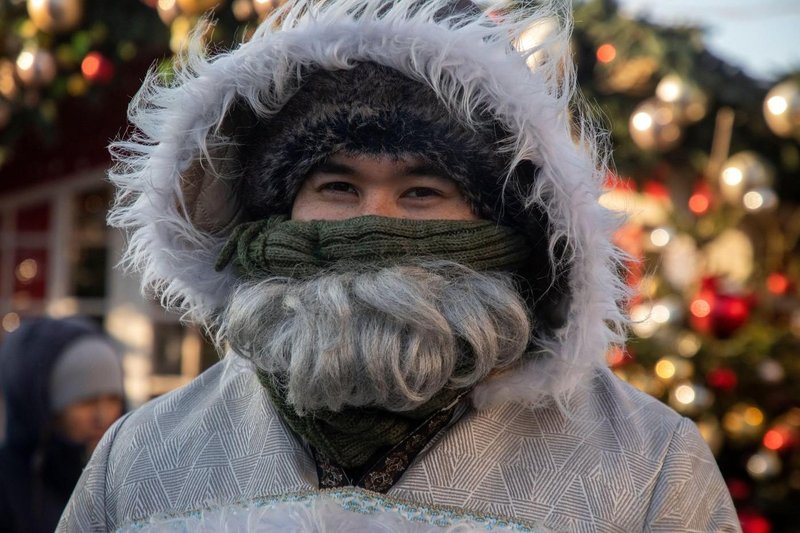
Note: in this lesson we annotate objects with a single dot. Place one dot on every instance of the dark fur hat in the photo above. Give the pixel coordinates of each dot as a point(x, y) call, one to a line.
point(369, 109)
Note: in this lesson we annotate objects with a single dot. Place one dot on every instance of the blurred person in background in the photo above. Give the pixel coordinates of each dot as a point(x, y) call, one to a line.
point(62, 383)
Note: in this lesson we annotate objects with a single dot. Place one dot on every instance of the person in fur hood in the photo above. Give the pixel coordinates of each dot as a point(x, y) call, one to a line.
point(387, 213)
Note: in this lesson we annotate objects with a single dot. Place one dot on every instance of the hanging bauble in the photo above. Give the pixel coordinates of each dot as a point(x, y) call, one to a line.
point(671, 368)
point(780, 437)
point(36, 67)
point(633, 77)
point(764, 464)
point(265, 7)
point(76, 85)
point(97, 68)
point(6, 111)
point(537, 45)
point(8, 79)
point(770, 371)
point(198, 7)
point(710, 430)
point(782, 109)
point(743, 172)
point(642, 324)
point(690, 398)
point(743, 422)
point(243, 10)
point(168, 11)
point(690, 104)
point(752, 522)
point(779, 284)
point(680, 261)
point(760, 200)
point(667, 310)
point(717, 313)
point(653, 126)
point(54, 16)
point(702, 199)
point(722, 379)
point(180, 29)
point(730, 256)
point(659, 238)
point(618, 356)
point(688, 343)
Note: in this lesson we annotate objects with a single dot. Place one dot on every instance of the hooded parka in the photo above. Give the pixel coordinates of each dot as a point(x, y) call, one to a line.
point(556, 444)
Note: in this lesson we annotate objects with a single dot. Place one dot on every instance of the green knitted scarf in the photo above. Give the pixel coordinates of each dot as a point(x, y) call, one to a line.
point(280, 247)
point(353, 436)
point(277, 246)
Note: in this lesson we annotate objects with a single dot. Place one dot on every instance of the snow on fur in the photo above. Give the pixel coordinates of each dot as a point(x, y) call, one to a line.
point(471, 64)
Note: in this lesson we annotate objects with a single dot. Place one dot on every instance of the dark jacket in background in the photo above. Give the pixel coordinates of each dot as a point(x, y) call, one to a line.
point(38, 470)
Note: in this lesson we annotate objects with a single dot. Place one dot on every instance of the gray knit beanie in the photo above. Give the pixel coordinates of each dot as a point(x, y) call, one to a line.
point(87, 368)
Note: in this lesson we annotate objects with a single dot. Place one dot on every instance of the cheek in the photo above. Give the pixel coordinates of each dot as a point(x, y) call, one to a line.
point(77, 422)
point(308, 205)
point(456, 209)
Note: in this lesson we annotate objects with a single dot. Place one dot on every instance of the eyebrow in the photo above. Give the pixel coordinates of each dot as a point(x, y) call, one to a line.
point(423, 168)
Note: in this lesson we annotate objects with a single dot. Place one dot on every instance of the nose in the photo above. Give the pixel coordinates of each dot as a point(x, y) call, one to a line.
point(379, 203)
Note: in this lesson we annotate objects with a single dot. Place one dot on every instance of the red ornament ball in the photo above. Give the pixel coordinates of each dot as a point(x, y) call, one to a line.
point(739, 489)
point(97, 68)
point(717, 313)
point(778, 283)
point(722, 379)
point(753, 522)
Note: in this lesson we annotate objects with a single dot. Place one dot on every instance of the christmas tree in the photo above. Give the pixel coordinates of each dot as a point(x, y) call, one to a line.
point(707, 167)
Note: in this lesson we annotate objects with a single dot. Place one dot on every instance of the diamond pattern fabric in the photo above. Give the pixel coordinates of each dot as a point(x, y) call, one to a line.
point(613, 460)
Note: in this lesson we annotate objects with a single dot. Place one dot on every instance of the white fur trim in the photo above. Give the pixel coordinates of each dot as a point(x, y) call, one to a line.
point(470, 65)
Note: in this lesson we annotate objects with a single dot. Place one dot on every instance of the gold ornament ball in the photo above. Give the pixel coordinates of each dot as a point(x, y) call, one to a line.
point(690, 104)
point(198, 7)
point(782, 109)
point(8, 80)
point(243, 10)
point(633, 77)
point(180, 29)
point(760, 200)
point(167, 10)
point(770, 371)
point(710, 430)
point(54, 16)
point(653, 126)
point(265, 7)
point(743, 172)
point(35, 67)
point(764, 464)
point(690, 398)
point(744, 422)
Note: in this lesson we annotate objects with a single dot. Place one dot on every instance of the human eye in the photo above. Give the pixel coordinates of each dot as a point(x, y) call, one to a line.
point(422, 192)
point(337, 187)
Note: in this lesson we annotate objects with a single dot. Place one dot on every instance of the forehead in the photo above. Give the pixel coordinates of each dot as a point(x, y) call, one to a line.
point(381, 164)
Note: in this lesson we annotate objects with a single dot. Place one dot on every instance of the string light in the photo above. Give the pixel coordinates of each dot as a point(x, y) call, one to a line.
point(777, 283)
point(10, 322)
point(699, 203)
point(700, 308)
point(606, 53)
